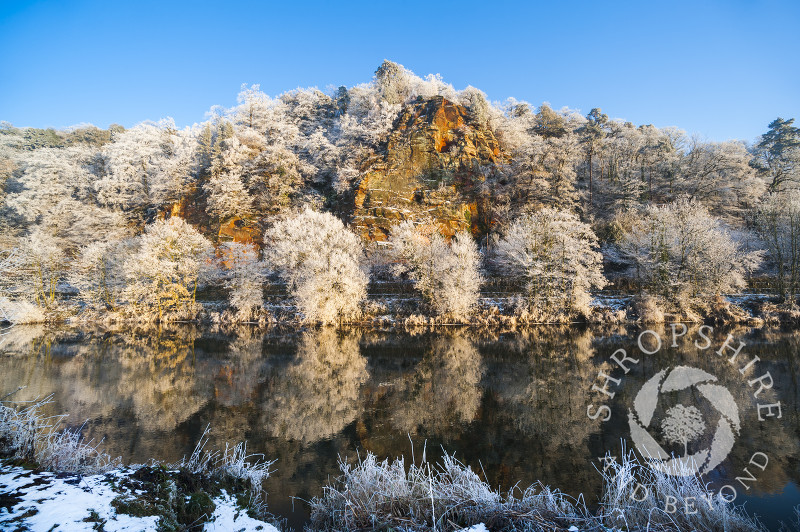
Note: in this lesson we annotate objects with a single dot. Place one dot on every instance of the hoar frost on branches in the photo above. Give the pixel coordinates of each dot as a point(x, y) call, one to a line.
point(556, 252)
point(445, 273)
point(681, 251)
point(171, 259)
point(243, 276)
point(322, 262)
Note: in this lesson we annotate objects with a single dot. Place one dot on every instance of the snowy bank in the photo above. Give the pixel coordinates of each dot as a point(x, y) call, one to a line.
point(33, 500)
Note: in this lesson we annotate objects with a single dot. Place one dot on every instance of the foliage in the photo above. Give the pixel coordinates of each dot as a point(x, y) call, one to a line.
point(445, 273)
point(557, 254)
point(244, 276)
point(169, 261)
point(777, 222)
point(321, 261)
point(681, 252)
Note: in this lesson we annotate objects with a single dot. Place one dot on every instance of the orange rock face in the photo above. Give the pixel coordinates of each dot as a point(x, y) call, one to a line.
point(427, 172)
point(239, 230)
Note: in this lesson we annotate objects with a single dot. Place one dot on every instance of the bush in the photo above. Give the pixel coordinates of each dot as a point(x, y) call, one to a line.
point(556, 252)
point(445, 273)
point(322, 262)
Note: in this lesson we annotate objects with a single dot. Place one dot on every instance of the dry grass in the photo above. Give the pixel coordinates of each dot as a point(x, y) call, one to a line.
point(374, 495)
point(635, 496)
point(446, 496)
point(28, 435)
point(232, 463)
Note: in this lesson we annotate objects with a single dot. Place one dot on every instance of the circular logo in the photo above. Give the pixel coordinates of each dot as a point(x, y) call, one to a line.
point(684, 424)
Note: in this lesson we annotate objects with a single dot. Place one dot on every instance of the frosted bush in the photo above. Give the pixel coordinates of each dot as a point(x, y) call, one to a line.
point(322, 262)
point(557, 253)
point(445, 273)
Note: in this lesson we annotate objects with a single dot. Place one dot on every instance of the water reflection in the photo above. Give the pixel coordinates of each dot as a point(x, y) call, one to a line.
point(442, 392)
point(318, 394)
point(512, 406)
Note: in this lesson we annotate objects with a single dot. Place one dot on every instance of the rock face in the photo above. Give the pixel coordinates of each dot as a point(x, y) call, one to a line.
point(427, 172)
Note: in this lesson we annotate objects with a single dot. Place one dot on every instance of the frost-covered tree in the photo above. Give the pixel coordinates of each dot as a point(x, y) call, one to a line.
point(777, 155)
point(50, 176)
point(447, 274)
point(147, 166)
point(243, 275)
point(98, 272)
point(719, 175)
point(558, 255)
point(778, 225)
point(681, 251)
point(170, 260)
point(321, 261)
point(40, 266)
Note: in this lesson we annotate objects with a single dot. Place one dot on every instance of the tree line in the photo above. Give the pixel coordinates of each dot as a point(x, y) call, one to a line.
point(578, 201)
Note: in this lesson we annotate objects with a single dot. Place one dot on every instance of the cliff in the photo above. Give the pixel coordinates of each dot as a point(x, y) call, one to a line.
point(428, 171)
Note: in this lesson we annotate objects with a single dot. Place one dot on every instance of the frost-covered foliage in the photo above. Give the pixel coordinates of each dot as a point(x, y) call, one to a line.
point(79, 190)
point(447, 274)
point(322, 262)
point(778, 225)
point(449, 495)
point(169, 261)
point(40, 266)
point(681, 251)
point(28, 434)
point(557, 253)
point(98, 272)
point(244, 276)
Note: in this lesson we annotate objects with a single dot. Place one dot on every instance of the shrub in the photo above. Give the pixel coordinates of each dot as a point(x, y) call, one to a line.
point(557, 254)
point(445, 273)
point(322, 262)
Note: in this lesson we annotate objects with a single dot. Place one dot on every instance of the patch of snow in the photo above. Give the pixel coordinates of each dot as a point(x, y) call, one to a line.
point(228, 517)
point(67, 500)
point(480, 527)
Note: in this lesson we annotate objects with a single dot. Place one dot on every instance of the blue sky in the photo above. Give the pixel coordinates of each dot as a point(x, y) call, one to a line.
point(718, 69)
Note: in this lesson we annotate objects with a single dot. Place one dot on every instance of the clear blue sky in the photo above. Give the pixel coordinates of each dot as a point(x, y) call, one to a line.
point(719, 69)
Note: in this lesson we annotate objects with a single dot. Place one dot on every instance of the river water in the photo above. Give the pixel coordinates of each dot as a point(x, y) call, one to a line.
point(514, 406)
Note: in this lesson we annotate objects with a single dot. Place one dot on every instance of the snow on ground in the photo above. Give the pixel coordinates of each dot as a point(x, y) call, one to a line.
point(39, 501)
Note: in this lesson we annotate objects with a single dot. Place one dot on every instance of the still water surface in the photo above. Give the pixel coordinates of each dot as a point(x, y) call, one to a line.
point(513, 406)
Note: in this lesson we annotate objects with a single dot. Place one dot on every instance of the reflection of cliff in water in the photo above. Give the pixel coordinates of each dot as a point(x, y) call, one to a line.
point(513, 407)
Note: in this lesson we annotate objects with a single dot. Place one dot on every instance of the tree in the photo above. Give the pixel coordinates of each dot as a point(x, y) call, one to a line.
point(719, 175)
point(776, 157)
point(147, 166)
point(99, 274)
point(321, 261)
point(50, 176)
point(681, 252)
point(170, 260)
point(41, 265)
point(592, 133)
point(556, 252)
point(445, 273)
point(243, 276)
point(393, 82)
point(777, 222)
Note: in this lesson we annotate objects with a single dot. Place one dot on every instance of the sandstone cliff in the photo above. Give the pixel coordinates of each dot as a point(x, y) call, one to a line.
point(428, 171)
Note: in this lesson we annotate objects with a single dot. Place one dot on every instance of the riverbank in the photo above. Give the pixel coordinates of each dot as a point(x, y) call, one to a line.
point(407, 312)
point(85, 490)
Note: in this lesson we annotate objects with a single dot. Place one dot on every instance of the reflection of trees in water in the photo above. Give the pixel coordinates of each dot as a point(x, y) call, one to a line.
point(443, 390)
point(539, 383)
point(526, 394)
point(319, 393)
point(160, 378)
point(549, 399)
point(241, 370)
